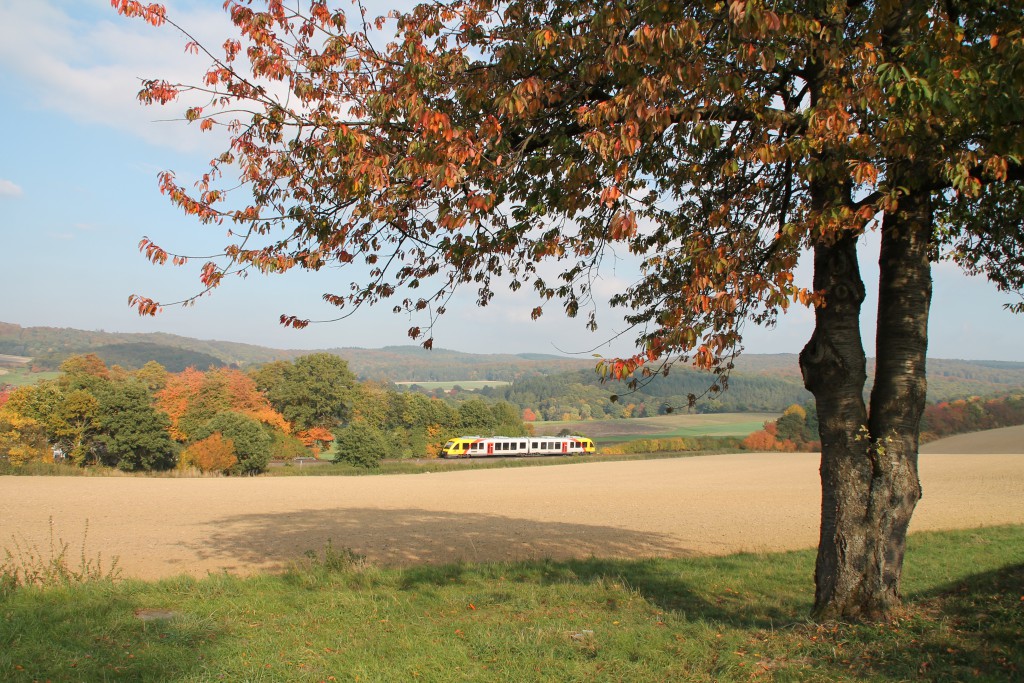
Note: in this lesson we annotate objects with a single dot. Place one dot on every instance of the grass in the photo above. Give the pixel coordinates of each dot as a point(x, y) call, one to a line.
point(662, 426)
point(738, 429)
point(737, 618)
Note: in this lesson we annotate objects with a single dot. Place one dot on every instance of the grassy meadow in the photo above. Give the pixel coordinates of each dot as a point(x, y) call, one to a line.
point(466, 384)
point(21, 376)
point(661, 426)
point(333, 618)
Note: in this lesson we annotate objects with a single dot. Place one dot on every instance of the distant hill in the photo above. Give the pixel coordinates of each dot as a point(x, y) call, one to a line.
point(64, 341)
point(134, 356)
point(48, 346)
point(774, 377)
point(416, 364)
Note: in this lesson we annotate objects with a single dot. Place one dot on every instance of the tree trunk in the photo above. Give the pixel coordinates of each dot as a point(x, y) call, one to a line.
point(833, 367)
point(869, 464)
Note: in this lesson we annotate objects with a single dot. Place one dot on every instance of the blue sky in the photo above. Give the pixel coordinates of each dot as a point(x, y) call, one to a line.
point(78, 190)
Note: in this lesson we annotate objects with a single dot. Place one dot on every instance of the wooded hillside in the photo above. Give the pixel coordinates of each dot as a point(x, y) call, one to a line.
point(556, 384)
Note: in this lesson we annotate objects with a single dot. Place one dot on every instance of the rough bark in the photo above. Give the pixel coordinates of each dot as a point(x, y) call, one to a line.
point(833, 366)
point(869, 475)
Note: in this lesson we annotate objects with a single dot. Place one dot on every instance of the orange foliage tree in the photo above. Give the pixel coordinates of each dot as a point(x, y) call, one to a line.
point(315, 438)
point(716, 142)
point(212, 454)
point(761, 440)
point(191, 397)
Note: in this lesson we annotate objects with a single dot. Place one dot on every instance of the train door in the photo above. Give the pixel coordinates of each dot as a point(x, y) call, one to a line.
point(565, 447)
point(490, 448)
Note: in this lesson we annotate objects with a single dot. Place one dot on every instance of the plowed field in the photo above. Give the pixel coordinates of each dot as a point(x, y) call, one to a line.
point(716, 504)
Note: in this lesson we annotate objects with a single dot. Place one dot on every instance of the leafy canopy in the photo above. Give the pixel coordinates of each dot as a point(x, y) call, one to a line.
point(467, 142)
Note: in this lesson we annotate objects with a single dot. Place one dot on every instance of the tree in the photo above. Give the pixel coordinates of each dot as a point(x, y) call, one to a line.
point(22, 438)
point(134, 436)
point(191, 398)
point(250, 440)
point(761, 440)
point(152, 375)
point(714, 141)
point(475, 415)
point(314, 391)
point(316, 439)
point(75, 424)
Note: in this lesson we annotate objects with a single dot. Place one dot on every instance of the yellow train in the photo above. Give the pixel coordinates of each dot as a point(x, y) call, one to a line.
point(509, 446)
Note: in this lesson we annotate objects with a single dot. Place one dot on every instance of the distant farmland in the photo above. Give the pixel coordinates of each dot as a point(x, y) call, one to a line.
point(661, 427)
point(467, 384)
point(15, 370)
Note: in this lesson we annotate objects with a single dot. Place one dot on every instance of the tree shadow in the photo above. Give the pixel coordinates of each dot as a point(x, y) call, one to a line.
point(970, 629)
point(407, 537)
point(443, 548)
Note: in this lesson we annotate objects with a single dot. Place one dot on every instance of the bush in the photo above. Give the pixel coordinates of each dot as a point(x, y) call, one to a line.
point(212, 454)
point(360, 444)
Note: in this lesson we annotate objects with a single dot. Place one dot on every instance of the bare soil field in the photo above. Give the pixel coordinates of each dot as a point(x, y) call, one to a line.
point(1003, 440)
point(704, 505)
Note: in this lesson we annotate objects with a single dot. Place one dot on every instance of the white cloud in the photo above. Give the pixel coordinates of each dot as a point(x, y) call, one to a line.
point(9, 189)
point(84, 61)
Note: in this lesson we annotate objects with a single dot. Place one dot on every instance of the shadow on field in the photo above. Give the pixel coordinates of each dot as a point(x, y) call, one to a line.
point(413, 536)
point(437, 549)
point(685, 588)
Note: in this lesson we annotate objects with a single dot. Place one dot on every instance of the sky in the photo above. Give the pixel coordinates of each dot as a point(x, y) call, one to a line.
point(78, 190)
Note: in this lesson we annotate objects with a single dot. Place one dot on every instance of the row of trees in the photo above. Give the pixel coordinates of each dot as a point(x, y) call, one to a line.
point(797, 428)
point(229, 421)
point(581, 395)
point(89, 415)
point(971, 415)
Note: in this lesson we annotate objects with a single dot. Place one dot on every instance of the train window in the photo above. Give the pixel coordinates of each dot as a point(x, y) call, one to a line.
point(522, 444)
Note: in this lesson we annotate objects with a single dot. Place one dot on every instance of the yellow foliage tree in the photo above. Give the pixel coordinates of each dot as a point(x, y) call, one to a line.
point(22, 439)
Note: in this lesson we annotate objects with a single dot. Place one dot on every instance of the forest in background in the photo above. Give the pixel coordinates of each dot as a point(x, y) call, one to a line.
point(228, 420)
point(548, 387)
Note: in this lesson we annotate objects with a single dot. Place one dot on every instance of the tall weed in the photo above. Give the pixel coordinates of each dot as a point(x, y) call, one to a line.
point(25, 564)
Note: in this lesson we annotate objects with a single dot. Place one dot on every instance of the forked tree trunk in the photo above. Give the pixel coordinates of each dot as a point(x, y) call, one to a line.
point(869, 463)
